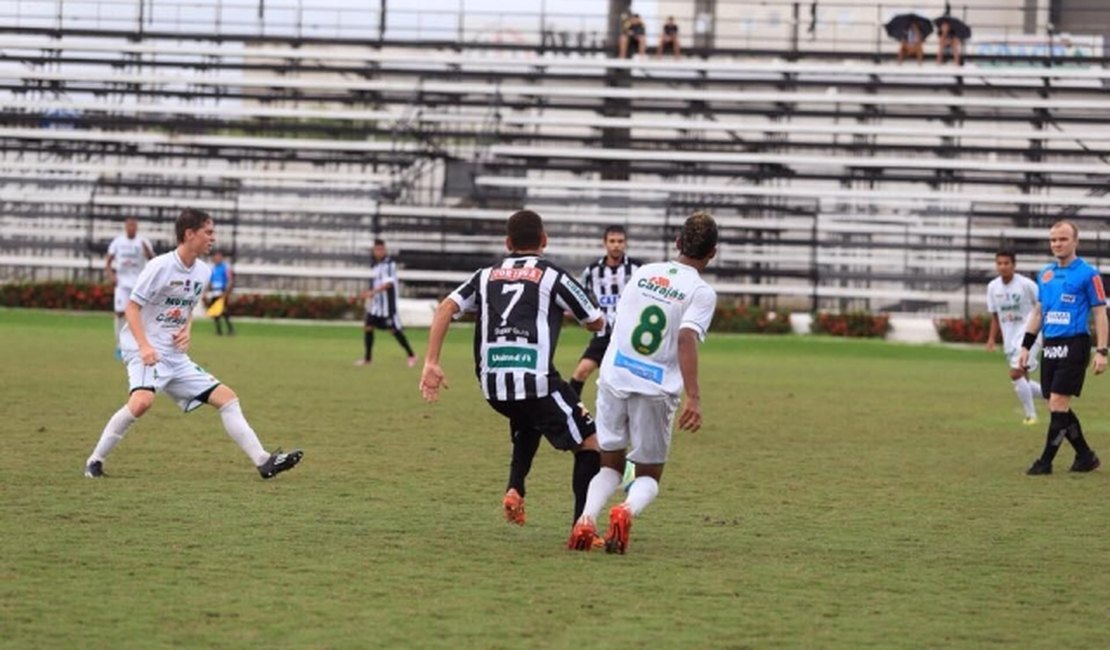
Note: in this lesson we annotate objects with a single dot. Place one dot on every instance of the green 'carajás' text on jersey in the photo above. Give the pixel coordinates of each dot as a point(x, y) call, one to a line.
point(519, 306)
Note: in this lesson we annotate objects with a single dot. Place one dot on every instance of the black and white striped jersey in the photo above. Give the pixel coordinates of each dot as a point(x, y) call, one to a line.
point(519, 306)
point(605, 283)
point(384, 304)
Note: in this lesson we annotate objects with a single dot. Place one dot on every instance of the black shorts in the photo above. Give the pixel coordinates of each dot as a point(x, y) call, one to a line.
point(560, 417)
point(595, 351)
point(384, 322)
point(1064, 365)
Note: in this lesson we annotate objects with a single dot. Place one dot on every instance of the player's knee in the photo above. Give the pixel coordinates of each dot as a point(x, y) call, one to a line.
point(140, 402)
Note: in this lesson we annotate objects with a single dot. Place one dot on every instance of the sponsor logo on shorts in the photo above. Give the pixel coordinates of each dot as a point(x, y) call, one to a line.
point(1056, 352)
point(648, 371)
point(511, 356)
point(1058, 318)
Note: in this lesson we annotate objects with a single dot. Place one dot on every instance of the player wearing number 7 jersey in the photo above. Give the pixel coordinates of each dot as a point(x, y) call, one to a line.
point(662, 316)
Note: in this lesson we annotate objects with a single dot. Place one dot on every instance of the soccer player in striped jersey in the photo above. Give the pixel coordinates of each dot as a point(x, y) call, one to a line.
point(604, 280)
point(662, 316)
point(520, 304)
point(381, 305)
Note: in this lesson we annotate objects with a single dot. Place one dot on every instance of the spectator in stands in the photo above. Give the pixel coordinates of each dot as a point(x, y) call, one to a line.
point(946, 38)
point(912, 44)
point(1011, 299)
point(1069, 293)
point(381, 304)
point(669, 39)
point(217, 295)
point(155, 344)
point(633, 36)
point(520, 303)
point(127, 256)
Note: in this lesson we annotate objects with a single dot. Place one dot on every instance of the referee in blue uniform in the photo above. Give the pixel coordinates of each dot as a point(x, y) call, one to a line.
point(1069, 292)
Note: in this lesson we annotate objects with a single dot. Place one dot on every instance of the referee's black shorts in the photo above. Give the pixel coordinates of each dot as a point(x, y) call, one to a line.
point(560, 417)
point(383, 322)
point(595, 351)
point(1064, 365)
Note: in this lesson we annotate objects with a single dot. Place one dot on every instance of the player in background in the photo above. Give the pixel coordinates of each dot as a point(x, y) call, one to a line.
point(604, 280)
point(662, 316)
point(519, 305)
point(155, 343)
point(1069, 291)
point(381, 305)
point(1011, 299)
point(127, 256)
point(219, 287)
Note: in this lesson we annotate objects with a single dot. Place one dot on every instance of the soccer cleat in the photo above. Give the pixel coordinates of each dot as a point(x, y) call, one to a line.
point(513, 504)
point(583, 536)
point(1030, 421)
point(95, 469)
point(1039, 468)
point(412, 362)
point(620, 524)
point(279, 462)
point(1086, 463)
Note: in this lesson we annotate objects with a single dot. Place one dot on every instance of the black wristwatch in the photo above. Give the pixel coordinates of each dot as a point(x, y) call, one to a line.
point(1102, 351)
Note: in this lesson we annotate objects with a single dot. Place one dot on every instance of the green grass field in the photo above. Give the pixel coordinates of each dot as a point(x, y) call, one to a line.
point(843, 494)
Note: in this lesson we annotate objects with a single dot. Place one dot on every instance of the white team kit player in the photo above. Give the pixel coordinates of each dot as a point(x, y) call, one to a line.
point(155, 344)
point(1011, 299)
point(662, 315)
point(127, 256)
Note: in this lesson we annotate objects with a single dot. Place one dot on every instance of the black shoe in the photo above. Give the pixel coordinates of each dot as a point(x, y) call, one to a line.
point(95, 469)
point(1086, 463)
point(279, 462)
point(1039, 468)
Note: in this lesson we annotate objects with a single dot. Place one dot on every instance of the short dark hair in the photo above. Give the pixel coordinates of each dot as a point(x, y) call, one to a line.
point(614, 229)
point(189, 219)
point(379, 242)
point(698, 237)
point(525, 230)
point(1007, 252)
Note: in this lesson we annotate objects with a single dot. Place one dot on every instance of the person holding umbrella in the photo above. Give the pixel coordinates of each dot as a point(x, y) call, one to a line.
point(951, 34)
point(910, 30)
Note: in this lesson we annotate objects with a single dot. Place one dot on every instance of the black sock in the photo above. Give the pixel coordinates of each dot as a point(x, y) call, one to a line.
point(230, 327)
point(525, 445)
point(577, 386)
point(400, 336)
point(1057, 430)
point(368, 341)
point(219, 330)
point(587, 462)
point(1075, 436)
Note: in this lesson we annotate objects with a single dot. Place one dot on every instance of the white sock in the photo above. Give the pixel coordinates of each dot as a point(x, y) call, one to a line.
point(113, 433)
point(1025, 396)
point(602, 486)
point(242, 433)
point(641, 493)
point(119, 326)
point(1035, 387)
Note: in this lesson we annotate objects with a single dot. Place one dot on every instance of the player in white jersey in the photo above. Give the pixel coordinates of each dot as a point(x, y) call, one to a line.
point(663, 314)
point(1011, 299)
point(127, 256)
point(155, 343)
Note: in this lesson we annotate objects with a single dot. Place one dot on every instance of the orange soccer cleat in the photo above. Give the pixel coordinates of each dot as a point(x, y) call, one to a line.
point(583, 537)
point(620, 524)
point(514, 507)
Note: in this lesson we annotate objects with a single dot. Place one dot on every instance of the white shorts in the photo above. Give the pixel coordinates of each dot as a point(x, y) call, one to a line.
point(1034, 356)
point(176, 376)
point(639, 423)
point(123, 294)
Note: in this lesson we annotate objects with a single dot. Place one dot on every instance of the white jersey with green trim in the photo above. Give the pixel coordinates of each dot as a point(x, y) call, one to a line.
point(129, 256)
point(660, 300)
point(167, 291)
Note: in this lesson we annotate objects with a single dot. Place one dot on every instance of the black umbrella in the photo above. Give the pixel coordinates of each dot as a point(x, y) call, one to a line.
point(956, 27)
point(900, 24)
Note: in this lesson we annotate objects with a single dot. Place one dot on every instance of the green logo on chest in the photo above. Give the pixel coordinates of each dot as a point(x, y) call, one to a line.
point(507, 356)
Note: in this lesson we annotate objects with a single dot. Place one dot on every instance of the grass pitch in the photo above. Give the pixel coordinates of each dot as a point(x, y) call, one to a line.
point(843, 494)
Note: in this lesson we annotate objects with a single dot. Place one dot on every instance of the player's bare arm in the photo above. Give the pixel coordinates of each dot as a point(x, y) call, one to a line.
point(689, 418)
point(1102, 330)
point(597, 324)
point(135, 321)
point(992, 336)
point(183, 336)
point(109, 271)
point(1034, 328)
point(432, 377)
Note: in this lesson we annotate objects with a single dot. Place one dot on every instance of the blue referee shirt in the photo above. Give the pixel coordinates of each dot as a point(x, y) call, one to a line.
point(218, 282)
point(1067, 294)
